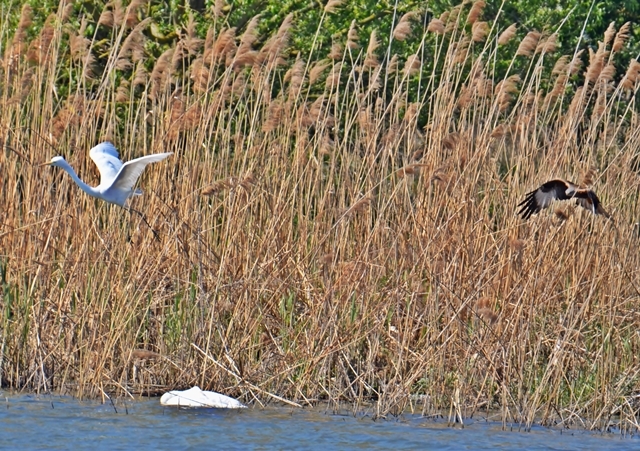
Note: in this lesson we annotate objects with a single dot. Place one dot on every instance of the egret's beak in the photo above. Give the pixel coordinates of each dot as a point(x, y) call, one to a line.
point(48, 163)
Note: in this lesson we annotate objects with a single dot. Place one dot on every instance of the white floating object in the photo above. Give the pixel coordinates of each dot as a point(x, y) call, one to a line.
point(194, 397)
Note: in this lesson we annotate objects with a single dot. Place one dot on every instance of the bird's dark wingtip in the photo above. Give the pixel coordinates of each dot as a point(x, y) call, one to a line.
point(528, 206)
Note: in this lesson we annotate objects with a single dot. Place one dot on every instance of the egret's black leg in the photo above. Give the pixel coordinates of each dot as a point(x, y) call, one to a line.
point(145, 221)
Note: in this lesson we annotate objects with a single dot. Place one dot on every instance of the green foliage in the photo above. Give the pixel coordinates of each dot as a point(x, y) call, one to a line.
point(578, 24)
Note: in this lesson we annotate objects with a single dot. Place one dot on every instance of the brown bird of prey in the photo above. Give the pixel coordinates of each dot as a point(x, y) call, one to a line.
point(560, 190)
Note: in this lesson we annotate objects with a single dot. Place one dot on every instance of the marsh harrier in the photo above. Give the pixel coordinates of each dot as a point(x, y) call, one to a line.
point(560, 190)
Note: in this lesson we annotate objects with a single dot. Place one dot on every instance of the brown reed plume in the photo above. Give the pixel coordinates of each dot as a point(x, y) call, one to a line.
point(332, 6)
point(370, 59)
point(352, 37)
point(246, 55)
point(19, 40)
point(621, 37)
point(479, 31)
point(403, 29)
point(528, 44)
point(436, 26)
point(161, 72)
point(475, 11)
point(507, 34)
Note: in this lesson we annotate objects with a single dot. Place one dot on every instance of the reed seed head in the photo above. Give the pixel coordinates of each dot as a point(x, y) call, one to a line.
point(436, 26)
point(507, 34)
point(403, 29)
point(528, 44)
point(476, 11)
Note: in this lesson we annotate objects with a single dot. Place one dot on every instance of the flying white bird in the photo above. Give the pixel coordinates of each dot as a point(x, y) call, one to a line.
point(560, 190)
point(117, 179)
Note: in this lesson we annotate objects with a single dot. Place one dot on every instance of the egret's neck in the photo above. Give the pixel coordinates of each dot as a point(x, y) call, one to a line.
point(83, 186)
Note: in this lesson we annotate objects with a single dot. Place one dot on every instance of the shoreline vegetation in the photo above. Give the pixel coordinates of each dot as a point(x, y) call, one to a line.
point(335, 227)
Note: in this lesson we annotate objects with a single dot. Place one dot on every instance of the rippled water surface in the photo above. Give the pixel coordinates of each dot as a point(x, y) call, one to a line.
point(55, 422)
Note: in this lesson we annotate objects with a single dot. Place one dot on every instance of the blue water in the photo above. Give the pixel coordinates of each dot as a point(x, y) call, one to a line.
point(55, 422)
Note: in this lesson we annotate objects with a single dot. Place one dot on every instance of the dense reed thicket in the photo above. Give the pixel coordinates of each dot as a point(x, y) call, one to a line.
point(335, 227)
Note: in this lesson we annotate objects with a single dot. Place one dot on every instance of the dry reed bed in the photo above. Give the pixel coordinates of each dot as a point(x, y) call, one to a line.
point(316, 243)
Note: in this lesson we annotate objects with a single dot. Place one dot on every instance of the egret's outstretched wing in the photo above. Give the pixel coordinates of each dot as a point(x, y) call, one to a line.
point(543, 196)
point(106, 157)
point(131, 171)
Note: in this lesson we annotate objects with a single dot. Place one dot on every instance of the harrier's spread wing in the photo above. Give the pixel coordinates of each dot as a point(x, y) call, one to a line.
point(543, 196)
point(559, 190)
point(587, 199)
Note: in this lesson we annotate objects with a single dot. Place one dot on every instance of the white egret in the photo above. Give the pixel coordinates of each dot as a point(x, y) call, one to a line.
point(117, 179)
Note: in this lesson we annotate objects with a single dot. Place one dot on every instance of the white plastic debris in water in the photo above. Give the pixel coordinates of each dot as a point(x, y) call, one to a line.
point(194, 397)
